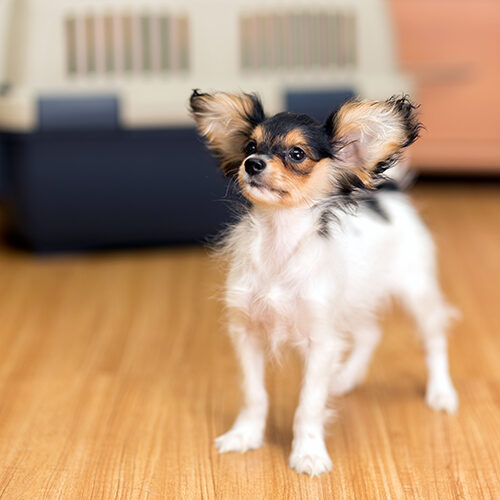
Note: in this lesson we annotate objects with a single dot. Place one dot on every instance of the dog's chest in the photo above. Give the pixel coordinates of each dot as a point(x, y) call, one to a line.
point(274, 301)
point(274, 285)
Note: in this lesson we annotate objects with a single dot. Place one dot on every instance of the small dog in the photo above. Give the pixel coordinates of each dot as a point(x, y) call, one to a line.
point(328, 237)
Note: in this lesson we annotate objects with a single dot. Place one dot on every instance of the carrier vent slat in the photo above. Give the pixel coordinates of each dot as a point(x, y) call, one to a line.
point(298, 40)
point(124, 42)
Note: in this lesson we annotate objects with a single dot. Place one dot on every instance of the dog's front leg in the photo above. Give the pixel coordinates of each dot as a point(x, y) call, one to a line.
point(309, 455)
point(247, 432)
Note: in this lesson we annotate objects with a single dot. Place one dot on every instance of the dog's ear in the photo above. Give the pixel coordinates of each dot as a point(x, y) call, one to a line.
point(226, 121)
point(368, 136)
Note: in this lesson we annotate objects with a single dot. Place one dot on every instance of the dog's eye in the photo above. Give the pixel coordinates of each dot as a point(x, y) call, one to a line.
point(250, 148)
point(296, 154)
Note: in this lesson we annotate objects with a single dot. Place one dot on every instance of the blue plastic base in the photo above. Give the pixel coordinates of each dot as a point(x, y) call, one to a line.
point(84, 189)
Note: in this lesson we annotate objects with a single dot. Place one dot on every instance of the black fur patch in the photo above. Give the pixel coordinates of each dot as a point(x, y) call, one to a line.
point(325, 219)
point(329, 209)
point(382, 166)
point(278, 126)
point(388, 185)
point(349, 200)
point(255, 115)
point(374, 205)
point(348, 182)
point(407, 111)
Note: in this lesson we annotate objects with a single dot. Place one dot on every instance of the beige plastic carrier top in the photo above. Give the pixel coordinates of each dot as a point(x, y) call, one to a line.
point(151, 53)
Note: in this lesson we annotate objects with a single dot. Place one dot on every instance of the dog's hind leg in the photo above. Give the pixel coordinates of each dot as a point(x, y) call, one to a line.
point(365, 339)
point(425, 302)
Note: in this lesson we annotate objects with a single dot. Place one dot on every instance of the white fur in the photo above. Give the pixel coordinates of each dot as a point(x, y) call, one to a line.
point(287, 283)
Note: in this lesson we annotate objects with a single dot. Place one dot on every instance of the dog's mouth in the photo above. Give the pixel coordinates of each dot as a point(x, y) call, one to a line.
point(257, 185)
point(265, 187)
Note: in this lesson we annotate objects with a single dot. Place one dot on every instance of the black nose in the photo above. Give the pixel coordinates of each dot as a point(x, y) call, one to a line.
point(253, 166)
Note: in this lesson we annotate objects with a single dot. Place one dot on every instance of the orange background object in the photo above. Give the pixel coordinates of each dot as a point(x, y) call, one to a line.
point(452, 48)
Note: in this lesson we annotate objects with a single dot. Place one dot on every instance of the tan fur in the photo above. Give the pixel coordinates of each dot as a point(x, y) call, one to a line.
point(285, 188)
point(364, 176)
point(295, 138)
point(258, 134)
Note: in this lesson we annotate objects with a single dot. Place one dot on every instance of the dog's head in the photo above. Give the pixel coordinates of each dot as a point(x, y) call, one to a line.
point(290, 159)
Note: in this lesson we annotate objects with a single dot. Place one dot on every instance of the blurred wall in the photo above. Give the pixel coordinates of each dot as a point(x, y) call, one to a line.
point(452, 49)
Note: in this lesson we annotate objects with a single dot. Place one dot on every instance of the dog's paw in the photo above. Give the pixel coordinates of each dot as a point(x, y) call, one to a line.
point(239, 440)
point(441, 396)
point(312, 460)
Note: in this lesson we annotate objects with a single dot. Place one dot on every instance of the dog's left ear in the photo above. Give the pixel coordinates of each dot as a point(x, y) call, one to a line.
point(226, 121)
point(368, 136)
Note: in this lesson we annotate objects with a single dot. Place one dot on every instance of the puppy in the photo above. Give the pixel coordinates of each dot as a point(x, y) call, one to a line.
point(327, 239)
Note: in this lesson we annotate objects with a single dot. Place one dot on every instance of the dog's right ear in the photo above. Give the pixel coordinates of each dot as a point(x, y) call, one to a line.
point(226, 121)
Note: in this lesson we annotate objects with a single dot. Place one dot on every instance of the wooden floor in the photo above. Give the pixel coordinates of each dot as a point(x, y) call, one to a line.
point(116, 375)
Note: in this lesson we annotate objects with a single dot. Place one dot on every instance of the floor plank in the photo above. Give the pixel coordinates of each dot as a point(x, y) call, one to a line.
point(116, 375)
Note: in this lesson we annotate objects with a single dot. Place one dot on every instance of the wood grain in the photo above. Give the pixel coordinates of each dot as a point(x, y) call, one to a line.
point(116, 375)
